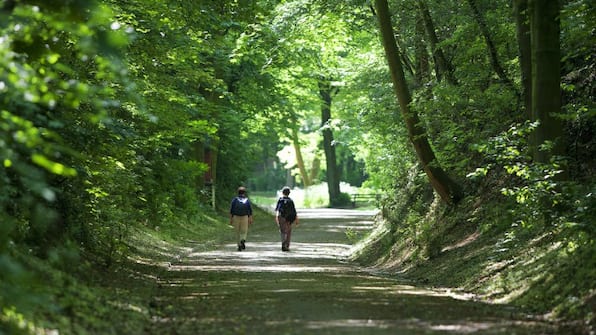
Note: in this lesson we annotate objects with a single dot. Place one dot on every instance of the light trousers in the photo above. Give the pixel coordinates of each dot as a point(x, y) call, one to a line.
point(240, 224)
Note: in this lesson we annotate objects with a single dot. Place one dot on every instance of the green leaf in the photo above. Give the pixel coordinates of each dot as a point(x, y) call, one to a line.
point(53, 167)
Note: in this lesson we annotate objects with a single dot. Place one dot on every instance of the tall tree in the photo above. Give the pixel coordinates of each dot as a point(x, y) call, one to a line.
point(447, 189)
point(326, 92)
point(522, 22)
point(422, 67)
point(492, 49)
point(444, 68)
point(306, 178)
point(546, 76)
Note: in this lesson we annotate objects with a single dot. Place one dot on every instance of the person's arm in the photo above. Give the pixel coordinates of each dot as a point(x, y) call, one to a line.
point(231, 209)
point(277, 212)
point(297, 221)
point(249, 212)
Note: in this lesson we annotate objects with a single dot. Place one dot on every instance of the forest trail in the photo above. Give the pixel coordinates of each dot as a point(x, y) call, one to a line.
point(311, 290)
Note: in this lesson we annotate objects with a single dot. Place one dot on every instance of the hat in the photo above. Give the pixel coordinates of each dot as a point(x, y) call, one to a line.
point(285, 190)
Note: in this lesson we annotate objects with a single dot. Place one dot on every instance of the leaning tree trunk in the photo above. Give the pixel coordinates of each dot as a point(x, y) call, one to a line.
point(546, 76)
point(325, 92)
point(520, 11)
point(306, 181)
point(444, 67)
point(422, 67)
point(447, 189)
point(492, 50)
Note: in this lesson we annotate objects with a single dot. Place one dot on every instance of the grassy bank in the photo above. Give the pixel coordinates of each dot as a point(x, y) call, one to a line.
point(77, 295)
point(479, 250)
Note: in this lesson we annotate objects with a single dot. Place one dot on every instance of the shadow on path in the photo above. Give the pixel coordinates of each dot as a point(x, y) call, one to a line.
point(312, 290)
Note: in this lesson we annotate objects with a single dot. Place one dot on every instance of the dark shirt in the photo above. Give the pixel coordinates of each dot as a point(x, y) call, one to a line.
point(240, 206)
point(280, 203)
point(291, 215)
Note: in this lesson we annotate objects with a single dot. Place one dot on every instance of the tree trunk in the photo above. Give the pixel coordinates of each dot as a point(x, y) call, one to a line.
point(306, 181)
point(546, 76)
point(214, 155)
point(520, 11)
point(199, 156)
point(406, 61)
point(422, 67)
point(447, 189)
point(492, 50)
point(314, 171)
point(444, 67)
point(325, 92)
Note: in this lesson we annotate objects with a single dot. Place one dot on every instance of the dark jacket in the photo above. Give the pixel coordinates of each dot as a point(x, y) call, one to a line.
point(240, 206)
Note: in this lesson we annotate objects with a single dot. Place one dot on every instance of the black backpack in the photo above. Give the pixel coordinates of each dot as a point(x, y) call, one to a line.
point(287, 210)
point(240, 206)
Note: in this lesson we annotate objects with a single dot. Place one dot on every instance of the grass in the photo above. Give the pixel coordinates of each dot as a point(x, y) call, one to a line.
point(480, 252)
point(72, 295)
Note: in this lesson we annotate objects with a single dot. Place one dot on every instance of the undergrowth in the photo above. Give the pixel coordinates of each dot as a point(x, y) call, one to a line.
point(79, 295)
point(493, 247)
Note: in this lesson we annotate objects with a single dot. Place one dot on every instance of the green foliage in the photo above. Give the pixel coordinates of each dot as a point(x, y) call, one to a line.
point(102, 108)
point(107, 109)
point(343, 200)
point(541, 198)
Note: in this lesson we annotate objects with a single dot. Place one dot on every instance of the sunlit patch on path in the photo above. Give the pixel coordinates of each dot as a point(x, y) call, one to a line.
point(266, 257)
point(312, 289)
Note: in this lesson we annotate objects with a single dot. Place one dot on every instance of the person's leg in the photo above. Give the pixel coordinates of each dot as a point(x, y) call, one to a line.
point(282, 231)
point(243, 230)
point(285, 230)
point(288, 236)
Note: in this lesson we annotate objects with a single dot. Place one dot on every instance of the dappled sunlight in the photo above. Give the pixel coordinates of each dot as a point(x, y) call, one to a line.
point(389, 288)
point(467, 240)
point(267, 257)
point(260, 268)
point(334, 213)
point(347, 323)
point(410, 325)
point(311, 289)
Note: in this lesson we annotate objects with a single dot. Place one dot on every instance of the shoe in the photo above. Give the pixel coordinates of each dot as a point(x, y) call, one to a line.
point(239, 248)
point(242, 245)
point(285, 249)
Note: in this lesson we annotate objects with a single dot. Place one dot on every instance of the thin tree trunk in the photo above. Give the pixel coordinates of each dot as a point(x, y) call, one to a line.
point(522, 21)
point(422, 68)
point(406, 61)
point(199, 156)
point(306, 181)
point(315, 168)
point(325, 92)
point(444, 66)
point(447, 189)
point(492, 50)
point(214, 158)
point(546, 76)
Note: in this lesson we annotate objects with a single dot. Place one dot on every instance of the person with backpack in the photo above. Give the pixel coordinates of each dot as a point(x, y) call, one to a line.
point(241, 217)
point(285, 216)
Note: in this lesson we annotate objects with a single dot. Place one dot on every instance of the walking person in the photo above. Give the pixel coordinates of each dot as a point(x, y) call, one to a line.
point(285, 215)
point(241, 217)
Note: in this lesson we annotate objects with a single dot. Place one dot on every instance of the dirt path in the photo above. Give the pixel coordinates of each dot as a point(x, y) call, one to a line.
point(311, 290)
